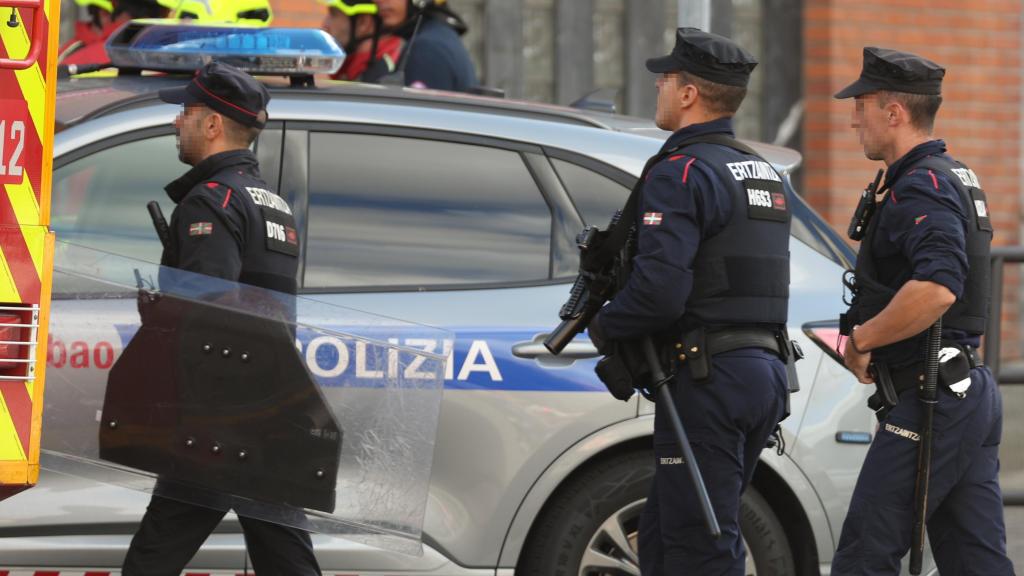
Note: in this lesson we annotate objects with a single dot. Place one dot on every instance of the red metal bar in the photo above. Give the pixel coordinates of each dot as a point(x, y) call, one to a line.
point(38, 34)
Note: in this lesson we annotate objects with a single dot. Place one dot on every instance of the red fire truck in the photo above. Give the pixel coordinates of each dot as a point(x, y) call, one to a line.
point(28, 54)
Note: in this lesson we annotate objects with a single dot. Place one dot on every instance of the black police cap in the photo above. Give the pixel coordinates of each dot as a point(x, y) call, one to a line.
point(709, 56)
point(895, 71)
point(227, 90)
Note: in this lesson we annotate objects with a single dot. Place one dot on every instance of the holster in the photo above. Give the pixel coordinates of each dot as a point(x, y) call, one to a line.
point(954, 377)
point(616, 376)
point(626, 370)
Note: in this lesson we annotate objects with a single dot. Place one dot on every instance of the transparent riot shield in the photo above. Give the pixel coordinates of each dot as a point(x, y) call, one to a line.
point(232, 397)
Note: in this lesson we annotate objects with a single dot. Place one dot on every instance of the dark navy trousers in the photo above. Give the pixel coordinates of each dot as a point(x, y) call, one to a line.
point(172, 532)
point(965, 507)
point(728, 419)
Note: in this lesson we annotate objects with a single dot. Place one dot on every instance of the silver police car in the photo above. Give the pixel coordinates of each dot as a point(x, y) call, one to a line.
point(460, 212)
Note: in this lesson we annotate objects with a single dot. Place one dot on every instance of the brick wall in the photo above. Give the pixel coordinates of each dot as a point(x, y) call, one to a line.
point(297, 12)
point(979, 44)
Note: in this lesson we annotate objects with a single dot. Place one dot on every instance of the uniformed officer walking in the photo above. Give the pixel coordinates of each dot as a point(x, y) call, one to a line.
point(710, 280)
point(217, 229)
point(925, 256)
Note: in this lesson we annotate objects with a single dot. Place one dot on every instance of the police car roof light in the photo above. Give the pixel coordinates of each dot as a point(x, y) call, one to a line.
point(170, 46)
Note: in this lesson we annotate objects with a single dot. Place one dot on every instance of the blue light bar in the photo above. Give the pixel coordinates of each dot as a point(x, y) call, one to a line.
point(169, 46)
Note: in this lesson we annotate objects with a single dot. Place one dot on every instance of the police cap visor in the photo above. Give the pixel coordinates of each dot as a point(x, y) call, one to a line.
point(896, 71)
point(226, 90)
point(710, 56)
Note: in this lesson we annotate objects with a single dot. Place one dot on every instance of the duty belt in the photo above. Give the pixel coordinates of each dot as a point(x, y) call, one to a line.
point(699, 345)
point(912, 376)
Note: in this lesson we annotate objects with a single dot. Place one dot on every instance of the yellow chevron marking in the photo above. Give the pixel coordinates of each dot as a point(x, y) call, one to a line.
point(8, 289)
point(10, 445)
point(33, 89)
point(23, 201)
point(31, 79)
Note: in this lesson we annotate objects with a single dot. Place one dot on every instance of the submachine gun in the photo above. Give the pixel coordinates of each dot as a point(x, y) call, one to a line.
point(602, 256)
point(215, 397)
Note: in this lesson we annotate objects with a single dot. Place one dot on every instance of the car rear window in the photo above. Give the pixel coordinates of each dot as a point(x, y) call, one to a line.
point(409, 212)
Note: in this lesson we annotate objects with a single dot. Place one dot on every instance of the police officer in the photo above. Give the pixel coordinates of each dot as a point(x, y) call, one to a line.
point(434, 56)
point(218, 229)
point(710, 279)
point(925, 256)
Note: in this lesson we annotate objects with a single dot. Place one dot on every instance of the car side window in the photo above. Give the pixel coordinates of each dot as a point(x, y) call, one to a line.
point(596, 197)
point(389, 211)
point(99, 201)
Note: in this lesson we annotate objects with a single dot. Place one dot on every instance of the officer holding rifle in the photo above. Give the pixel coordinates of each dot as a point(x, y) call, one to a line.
point(709, 287)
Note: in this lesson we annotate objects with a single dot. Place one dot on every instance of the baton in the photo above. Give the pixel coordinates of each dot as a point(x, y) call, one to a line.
point(927, 395)
point(162, 230)
point(660, 381)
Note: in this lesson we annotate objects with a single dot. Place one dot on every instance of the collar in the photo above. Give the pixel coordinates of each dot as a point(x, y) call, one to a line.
point(208, 168)
point(917, 153)
point(716, 126)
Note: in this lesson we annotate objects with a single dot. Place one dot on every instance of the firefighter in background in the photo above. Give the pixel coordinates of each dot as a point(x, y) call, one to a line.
point(356, 26)
point(105, 16)
point(434, 56)
point(249, 12)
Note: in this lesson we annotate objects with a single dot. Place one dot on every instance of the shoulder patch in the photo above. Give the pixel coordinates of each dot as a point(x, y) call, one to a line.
point(200, 229)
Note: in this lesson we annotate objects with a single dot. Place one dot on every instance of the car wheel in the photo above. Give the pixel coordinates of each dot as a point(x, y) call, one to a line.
point(768, 551)
point(590, 527)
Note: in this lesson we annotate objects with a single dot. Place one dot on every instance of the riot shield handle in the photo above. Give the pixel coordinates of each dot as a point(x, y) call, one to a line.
point(37, 38)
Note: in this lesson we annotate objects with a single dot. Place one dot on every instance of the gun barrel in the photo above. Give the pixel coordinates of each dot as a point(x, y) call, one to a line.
point(567, 330)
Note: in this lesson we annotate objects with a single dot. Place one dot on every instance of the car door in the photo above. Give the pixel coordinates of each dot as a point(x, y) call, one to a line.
point(474, 235)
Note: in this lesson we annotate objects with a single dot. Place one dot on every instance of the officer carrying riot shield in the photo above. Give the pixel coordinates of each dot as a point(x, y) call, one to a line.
point(227, 224)
point(923, 262)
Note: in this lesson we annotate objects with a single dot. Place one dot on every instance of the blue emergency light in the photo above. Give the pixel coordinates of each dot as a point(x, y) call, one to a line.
point(170, 46)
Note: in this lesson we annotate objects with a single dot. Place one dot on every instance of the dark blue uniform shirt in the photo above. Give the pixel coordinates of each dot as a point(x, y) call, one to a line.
point(694, 204)
point(923, 222)
point(437, 59)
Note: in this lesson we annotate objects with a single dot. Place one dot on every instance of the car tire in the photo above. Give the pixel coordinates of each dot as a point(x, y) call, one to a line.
point(589, 526)
point(765, 536)
point(577, 511)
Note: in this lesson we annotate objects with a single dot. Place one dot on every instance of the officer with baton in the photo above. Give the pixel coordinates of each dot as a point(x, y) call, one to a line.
point(919, 308)
point(703, 307)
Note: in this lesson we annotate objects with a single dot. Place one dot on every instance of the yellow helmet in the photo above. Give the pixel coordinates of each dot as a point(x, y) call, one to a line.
point(352, 7)
point(106, 5)
point(252, 12)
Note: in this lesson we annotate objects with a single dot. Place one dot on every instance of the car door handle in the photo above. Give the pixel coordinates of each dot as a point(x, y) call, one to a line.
point(576, 350)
